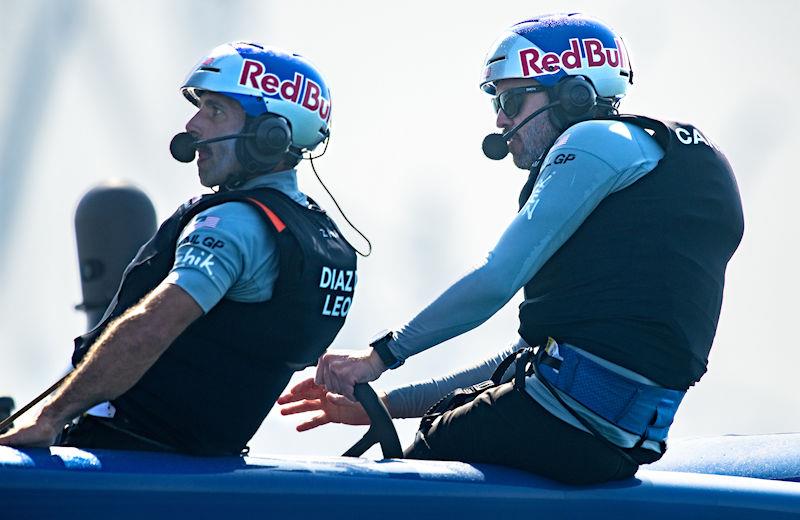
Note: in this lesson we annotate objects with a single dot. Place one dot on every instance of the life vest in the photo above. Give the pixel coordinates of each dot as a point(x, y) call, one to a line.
point(211, 389)
point(640, 282)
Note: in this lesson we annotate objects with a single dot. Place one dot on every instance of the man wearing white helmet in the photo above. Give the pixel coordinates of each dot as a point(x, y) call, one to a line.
point(236, 291)
point(626, 225)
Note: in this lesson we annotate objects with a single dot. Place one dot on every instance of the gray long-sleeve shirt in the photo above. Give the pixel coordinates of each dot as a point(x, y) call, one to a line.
point(605, 157)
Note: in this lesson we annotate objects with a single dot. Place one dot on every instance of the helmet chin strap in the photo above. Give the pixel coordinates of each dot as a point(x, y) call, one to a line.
point(237, 178)
point(234, 180)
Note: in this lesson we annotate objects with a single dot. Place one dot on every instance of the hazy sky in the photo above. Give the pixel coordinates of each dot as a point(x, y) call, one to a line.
point(89, 91)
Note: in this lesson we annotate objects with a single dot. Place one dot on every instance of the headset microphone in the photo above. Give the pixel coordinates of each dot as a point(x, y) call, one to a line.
point(183, 146)
point(495, 146)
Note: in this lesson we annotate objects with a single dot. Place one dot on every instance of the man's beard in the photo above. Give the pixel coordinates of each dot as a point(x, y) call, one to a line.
point(535, 139)
point(222, 165)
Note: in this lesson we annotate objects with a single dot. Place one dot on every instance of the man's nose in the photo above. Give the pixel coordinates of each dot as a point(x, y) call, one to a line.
point(502, 120)
point(193, 125)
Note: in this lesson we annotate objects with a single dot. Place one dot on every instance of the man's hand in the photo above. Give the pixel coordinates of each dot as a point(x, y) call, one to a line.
point(37, 433)
point(340, 370)
point(307, 396)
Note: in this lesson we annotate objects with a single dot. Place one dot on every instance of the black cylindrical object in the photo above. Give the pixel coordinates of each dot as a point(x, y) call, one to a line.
point(6, 407)
point(381, 429)
point(112, 222)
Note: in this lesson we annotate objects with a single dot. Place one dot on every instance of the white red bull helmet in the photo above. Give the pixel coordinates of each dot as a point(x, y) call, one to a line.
point(267, 80)
point(551, 47)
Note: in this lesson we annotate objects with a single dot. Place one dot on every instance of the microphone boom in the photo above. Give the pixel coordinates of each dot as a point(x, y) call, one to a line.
point(495, 146)
point(183, 146)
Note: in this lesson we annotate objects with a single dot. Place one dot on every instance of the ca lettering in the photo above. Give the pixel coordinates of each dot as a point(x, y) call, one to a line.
point(693, 137)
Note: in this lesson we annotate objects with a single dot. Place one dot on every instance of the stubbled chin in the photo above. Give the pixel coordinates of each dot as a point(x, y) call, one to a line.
point(514, 149)
point(202, 173)
point(521, 161)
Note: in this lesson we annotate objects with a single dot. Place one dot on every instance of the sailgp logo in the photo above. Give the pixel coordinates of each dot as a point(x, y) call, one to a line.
point(589, 52)
point(254, 75)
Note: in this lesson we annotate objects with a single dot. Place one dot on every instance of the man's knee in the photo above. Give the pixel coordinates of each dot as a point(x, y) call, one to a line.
point(419, 449)
point(470, 432)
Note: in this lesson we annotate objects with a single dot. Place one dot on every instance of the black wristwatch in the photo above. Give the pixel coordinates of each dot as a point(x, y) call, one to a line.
point(381, 346)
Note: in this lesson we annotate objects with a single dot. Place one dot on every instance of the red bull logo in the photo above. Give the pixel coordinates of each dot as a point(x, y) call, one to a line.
point(255, 75)
point(581, 53)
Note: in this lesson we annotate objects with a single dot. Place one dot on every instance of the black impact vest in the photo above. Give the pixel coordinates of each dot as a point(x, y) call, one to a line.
point(211, 389)
point(640, 282)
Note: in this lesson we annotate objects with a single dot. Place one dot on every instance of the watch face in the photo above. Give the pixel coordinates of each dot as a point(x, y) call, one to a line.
point(381, 347)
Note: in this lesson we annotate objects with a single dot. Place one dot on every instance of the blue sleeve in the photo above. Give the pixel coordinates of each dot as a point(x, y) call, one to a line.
point(414, 399)
point(225, 251)
point(587, 163)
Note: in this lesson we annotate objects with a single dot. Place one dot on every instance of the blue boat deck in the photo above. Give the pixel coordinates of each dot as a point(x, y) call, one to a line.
point(72, 483)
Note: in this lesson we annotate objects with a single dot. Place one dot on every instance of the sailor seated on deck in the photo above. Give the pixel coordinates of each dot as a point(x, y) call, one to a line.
point(624, 231)
point(224, 303)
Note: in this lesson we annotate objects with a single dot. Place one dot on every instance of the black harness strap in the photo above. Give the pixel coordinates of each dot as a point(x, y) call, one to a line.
point(461, 396)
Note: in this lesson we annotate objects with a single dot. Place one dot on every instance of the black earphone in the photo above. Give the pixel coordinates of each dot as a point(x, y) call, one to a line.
point(268, 141)
point(576, 100)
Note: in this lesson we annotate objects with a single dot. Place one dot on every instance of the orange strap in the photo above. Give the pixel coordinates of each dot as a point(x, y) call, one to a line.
point(277, 222)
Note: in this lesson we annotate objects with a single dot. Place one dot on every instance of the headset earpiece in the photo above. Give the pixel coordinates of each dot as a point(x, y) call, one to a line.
point(269, 145)
point(576, 99)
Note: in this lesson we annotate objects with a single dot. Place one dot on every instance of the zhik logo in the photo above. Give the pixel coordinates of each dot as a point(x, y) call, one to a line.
point(200, 260)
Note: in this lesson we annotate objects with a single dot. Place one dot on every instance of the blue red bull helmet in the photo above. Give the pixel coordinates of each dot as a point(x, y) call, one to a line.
point(267, 80)
point(551, 47)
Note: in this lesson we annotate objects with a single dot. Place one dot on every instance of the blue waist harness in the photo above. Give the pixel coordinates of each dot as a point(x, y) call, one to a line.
point(636, 407)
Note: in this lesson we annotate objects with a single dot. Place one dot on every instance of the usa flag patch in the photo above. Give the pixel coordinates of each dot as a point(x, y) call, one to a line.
point(206, 221)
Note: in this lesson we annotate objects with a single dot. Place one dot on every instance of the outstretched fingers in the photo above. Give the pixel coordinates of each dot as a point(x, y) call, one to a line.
point(306, 405)
point(317, 420)
point(306, 389)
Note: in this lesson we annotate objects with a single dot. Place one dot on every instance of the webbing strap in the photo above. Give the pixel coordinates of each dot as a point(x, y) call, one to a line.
point(536, 365)
point(460, 396)
point(636, 407)
point(499, 372)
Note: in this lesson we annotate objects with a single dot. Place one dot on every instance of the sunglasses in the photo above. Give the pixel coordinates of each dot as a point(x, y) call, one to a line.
point(510, 101)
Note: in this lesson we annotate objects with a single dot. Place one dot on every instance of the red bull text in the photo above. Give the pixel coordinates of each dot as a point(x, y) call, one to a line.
point(254, 75)
point(535, 63)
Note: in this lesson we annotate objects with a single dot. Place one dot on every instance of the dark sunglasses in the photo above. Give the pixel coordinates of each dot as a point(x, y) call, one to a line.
point(510, 101)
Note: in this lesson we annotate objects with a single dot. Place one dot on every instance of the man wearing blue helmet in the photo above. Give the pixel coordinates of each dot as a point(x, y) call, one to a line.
point(236, 291)
point(626, 225)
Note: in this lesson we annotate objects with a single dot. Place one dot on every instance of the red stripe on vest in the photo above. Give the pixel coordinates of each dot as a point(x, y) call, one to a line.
point(277, 222)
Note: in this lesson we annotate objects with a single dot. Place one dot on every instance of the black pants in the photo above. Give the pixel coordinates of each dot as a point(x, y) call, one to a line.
point(110, 434)
point(508, 427)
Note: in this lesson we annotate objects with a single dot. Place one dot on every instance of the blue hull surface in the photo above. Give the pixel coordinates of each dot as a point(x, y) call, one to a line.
point(71, 483)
